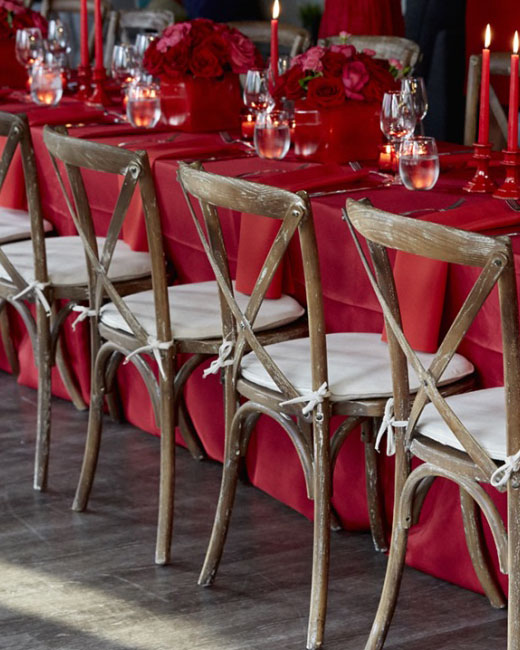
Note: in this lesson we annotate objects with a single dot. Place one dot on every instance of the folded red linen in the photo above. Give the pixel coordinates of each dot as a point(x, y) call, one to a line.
point(257, 234)
point(416, 277)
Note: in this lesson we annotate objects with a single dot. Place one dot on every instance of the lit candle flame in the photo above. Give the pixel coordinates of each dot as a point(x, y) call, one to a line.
point(515, 43)
point(487, 40)
point(276, 9)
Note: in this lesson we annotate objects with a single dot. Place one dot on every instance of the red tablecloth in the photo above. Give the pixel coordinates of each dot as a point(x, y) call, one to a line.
point(349, 305)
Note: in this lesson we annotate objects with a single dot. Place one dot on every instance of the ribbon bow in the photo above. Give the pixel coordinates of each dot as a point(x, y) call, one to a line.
point(502, 474)
point(154, 346)
point(84, 313)
point(387, 426)
point(37, 288)
point(312, 399)
point(221, 361)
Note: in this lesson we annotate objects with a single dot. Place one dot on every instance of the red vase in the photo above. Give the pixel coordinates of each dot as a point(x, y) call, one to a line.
point(196, 104)
point(12, 74)
point(349, 132)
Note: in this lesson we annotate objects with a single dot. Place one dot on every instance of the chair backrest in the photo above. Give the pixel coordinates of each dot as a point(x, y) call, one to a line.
point(292, 40)
point(77, 155)
point(494, 258)
point(52, 8)
point(123, 26)
point(499, 64)
point(16, 129)
point(385, 47)
point(215, 192)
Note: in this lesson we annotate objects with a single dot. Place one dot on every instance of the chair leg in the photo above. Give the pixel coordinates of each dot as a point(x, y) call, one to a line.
point(373, 487)
point(167, 471)
point(7, 341)
point(43, 418)
point(321, 546)
point(188, 432)
point(68, 377)
point(475, 543)
point(95, 421)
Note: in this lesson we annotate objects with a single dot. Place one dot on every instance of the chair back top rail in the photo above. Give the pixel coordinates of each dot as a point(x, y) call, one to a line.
point(296, 39)
point(405, 50)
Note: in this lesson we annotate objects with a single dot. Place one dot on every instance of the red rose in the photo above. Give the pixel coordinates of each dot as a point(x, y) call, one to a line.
point(333, 63)
point(289, 84)
point(355, 77)
point(153, 60)
point(175, 60)
point(219, 46)
point(381, 79)
point(201, 28)
point(325, 91)
point(204, 63)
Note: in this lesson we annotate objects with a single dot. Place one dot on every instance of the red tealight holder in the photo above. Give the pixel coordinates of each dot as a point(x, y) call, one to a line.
point(510, 188)
point(481, 181)
point(387, 157)
point(247, 122)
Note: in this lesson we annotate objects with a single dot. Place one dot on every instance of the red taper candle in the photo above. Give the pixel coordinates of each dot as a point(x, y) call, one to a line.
point(512, 124)
point(83, 33)
point(98, 27)
point(483, 123)
point(274, 42)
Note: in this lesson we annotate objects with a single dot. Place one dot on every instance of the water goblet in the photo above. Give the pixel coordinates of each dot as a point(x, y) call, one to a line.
point(142, 41)
point(28, 48)
point(419, 163)
point(416, 88)
point(124, 63)
point(57, 40)
point(46, 83)
point(256, 89)
point(307, 131)
point(143, 105)
point(272, 135)
point(397, 119)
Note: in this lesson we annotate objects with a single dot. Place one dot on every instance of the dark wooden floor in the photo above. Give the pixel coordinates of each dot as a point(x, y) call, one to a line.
point(87, 581)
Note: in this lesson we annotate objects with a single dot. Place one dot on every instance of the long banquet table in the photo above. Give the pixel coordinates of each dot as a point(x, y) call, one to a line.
point(437, 543)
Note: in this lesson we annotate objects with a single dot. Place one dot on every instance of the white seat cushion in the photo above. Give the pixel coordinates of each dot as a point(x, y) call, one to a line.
point(195, 311)
point(483, 413)
point(66, 263)
point(358, 363)
point(16, 224)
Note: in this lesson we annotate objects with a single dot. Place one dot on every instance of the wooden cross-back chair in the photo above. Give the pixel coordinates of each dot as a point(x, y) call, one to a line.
point(292, 40)
point(499, 65)
point(335, 374)
point(470, 439)
point(385, 47)
point(123, 26)
point(162, 323)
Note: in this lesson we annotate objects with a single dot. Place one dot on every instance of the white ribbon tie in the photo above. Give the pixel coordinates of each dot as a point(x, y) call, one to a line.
point(154, 346)
point(387, 426)
point(502, 474)
point(311, 399)
point(221, 361)
point(84, 313)
point(36, 288)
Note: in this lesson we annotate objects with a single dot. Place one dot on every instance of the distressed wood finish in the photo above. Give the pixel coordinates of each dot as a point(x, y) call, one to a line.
point(123, 24)
point(385, 47)
point(499, 64)
point(295, 39)
point(468, 470)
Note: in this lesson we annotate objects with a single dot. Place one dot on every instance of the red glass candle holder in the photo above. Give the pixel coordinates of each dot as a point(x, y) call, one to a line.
point(387, 158)
point(247, 122)
point(481, 181)
point(84, 86)
point(510, 189)
point(100, 95)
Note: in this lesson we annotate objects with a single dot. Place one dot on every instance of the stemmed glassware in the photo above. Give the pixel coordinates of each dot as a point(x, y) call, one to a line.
point(124, 63)
point(29, 47)
point(416, 89)
point(256, 90)
point(397, 119)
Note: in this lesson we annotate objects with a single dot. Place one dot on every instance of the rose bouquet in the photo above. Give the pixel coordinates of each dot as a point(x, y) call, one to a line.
point(13, 16)
point(200, 48)
point(328, 76)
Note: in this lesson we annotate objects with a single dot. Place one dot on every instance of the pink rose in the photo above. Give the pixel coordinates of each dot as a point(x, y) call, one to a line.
point(348, 51)
point(173, 35)
point(355, 77)
point(369, 52)
point(15, 7)
point(396, 64)
point(242, 52)
point(310, 60)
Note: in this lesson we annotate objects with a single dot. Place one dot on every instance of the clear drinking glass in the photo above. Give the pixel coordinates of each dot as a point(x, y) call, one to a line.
point(272, 135)
point(46, 83)
point(256, 89)
point(416, 88)
point(143, 106)
point(419, 163)
point(124, 63)
point(142, 41)
point(307, 131)
point(28, 46)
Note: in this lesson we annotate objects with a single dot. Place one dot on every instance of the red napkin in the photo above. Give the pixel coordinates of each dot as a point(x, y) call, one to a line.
point(257, 234)
point(416, 277)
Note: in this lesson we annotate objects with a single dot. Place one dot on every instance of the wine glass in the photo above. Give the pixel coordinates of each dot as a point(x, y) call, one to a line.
point(57, 40)
point(272, 134)
point(419, 163)
point(397, 119)
point(142, 41)
point(256, 89)
point(124, 63)
point(28, 46)
point(416, 88)
point(143, 105)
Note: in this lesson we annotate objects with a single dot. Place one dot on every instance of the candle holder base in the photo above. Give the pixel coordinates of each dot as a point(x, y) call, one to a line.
point(100, 96)
point(84, 86)
point(510, 189)
point(481, 181)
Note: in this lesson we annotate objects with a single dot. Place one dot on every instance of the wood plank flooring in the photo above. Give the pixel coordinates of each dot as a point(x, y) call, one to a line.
point(87, 581)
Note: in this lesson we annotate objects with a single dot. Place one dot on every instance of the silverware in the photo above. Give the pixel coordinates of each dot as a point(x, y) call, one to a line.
point(259, 172)
point(457, 203)
point(513, 204)
point(149, 140)
point(229, 140)
point(314, 195)
point(230, 156)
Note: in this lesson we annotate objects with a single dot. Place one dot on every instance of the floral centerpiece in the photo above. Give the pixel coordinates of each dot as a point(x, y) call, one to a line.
point(13, 16)
point(198, 63)
point(347, 87)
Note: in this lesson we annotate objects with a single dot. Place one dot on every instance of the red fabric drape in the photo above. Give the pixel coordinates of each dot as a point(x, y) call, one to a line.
point(362, 17)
